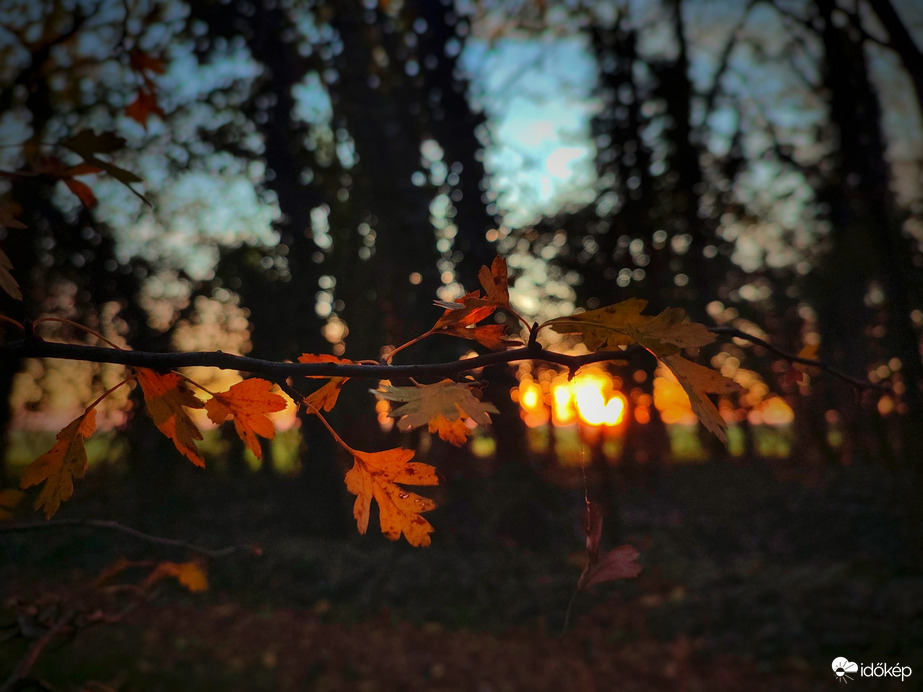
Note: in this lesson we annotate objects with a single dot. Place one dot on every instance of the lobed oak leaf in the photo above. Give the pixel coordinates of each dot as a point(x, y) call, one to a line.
point(324, 358)
point(377, 475)
point(670, 332)
point(421, 404)
point(59, 466)
point(698, 382)
point(166, 396)
point(7, 281)
point(467, 310)
point(604, 327)
point(83, 192)
point(247, 403)
point(189, 574)
point(619, 563)
point(495, 281)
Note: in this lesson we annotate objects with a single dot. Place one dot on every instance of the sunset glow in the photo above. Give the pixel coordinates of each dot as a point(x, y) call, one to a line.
point(590, 397)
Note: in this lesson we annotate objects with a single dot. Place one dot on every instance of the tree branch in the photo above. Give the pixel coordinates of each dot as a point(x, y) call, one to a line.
point(134, 533)
point(33, 347)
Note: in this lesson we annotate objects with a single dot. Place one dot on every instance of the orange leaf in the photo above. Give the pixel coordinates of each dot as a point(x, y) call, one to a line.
point(189, 574)
point(60, 465)
point(83, 192)
point(471, 308)
point(247, 402)
point(165, 396)
point(453, 431)
point(325, 398)
point(495, 281)
point(143, 106)
point(376, 474)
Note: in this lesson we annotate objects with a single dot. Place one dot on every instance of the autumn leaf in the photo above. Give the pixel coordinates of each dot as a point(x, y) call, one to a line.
point(247, 402)
point(619, 563)
point(59, 466)
point(698, 382)
point(8, 220)
point(325, 398)
point(495, 281)
point(377, 475)
point(144, 105)
point(669, 332)
point(189, 574)
point(165, 396)
point(428, 403)
point(604, 327)
point(87, 144)
point(467, 310)
point(7, 282)
point(9, 499)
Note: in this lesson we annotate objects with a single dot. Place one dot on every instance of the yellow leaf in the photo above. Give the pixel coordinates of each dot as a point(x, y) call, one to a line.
point(165, 396)
point(448, 400)
point(189, 574)
point(325, 398)
point(247, 402)
point(454, 431)
point(604, 327)
point(376, 475)
point(698, 382)
point(60, 465)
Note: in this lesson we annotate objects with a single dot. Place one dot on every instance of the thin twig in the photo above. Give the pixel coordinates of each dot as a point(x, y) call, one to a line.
point(134, 533)
point(26, 662)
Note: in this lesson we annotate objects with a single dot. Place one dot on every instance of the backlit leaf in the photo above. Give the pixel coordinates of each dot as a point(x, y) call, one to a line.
point(446, 400)
point(325, 398)
point(698, 382)
point(83, 192)
point(165, 396)
point(59, 466)
point(495, 281)
point(247, 402)
point(604, 327)
point(619, 563)
point(87, 144)
point(377, 475)
point(144, 105)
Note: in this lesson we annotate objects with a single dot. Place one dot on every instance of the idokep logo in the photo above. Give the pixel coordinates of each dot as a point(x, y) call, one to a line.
point(842, 667)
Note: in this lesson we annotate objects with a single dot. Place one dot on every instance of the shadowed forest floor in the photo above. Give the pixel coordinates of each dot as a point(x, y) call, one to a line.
point(752, 580)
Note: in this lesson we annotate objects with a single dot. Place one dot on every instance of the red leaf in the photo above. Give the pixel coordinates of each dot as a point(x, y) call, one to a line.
point(83, 192)
point(143, 106)
point(620, 563)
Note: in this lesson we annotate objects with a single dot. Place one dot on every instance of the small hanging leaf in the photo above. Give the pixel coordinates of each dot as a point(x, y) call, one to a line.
point(7, 282)
point(165, 396)
point(189, 574)
point(620, 563)
point(59, 466)
point(376, 475)
point(247, 403)
point(442, 406)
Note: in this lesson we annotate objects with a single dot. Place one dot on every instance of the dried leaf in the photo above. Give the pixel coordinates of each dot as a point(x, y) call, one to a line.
point(7, 282)
point(247, 402)
point(59, 466)
point(605, 327)
point(495, 282)
point(190, 574)
point(165, 396)
point(142, 62)
point(471, 309)
point(698, 382)
point(448, 400)
point(376, 475)
point(619, 563)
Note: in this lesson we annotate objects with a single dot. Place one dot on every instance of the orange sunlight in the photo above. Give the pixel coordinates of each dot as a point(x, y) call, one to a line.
point(591, 397)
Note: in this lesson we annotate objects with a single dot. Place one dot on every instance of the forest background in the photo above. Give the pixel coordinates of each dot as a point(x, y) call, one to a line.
point(319, 173)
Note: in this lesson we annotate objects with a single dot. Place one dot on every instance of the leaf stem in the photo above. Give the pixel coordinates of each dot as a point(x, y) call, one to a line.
point(407, 344)
point(107, 393)
point(10, 320)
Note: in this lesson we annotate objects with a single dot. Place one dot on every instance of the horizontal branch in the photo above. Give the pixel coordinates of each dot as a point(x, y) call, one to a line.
point(134, 533)
point(38, 348)
point(34, 347)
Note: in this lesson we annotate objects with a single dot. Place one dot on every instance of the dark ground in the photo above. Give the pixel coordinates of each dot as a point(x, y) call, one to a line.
point(754, 579)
